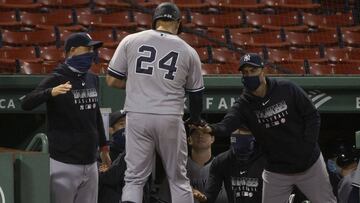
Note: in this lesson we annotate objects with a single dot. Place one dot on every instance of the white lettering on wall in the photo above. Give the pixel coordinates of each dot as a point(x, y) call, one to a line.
point(222, 104)
point(358, 102)
point(209, 101)
point(7, 104)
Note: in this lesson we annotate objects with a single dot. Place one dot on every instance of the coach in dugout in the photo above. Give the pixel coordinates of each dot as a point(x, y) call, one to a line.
point(286, 125)
point(75, 126)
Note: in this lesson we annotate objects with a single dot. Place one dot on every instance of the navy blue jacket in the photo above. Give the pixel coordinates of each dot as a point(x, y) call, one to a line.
point(285, 123)
point(242, 180)
point(74, 122)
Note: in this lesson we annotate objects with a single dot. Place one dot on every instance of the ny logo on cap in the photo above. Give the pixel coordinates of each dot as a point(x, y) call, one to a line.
point(247, 57)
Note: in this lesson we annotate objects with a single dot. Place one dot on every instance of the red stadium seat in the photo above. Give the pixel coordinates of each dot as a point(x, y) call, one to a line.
point(217, 34)
point(327, 38)
point(8, 66)
point(354, 54)
point(237, 4)
point(39, 37)
point(8, 20)
point(11, 5)
point(288, 67)
point(278, 55)
point(268, 39)
point(120, 35)
point(241, 40)
point(65, 3)
point(194, 40)
point(292, 4)
point(346, 68)
point(59, 17)
point(321, 69)
point(105, 54)
point(336, 54)
point(233, 19)
point(215, 69)
point(210, 68)
point(32, 68)
point(52, 54)
point(191, 4)
point(143, 19)
point(24, 53)
point(311, 54)
point(224, 55)
point(203, 54)
point(113, 4)
point(288, 21)
point(329, 21)
point(234, 31)
point(106, 36)
point(351, 38)
point(118, 20)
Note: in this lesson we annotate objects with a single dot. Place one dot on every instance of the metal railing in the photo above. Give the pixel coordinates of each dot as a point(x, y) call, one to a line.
point(39, 141)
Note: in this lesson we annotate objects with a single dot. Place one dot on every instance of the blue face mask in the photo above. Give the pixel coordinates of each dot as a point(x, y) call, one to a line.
point(81, 62)
point(251, 82)
point(243, 146)
point(119, 138)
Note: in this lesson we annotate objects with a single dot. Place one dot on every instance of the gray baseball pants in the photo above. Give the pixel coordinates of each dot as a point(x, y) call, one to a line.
point(70, 183)
point(314, 183)
point(146, 133)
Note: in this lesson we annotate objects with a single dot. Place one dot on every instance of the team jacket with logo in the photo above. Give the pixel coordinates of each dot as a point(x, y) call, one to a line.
point(242, 180)
point(284, 122)
point(75, 127)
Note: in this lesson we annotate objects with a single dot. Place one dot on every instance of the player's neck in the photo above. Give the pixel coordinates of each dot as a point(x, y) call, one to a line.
point(201, 156)
point(168, 29)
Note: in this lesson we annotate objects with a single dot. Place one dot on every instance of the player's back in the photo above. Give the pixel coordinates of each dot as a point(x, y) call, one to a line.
point(160, 66)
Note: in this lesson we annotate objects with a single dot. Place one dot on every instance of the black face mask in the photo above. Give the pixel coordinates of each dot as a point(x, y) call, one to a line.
point(119, 138)
point(243, 146)
point(251, 82)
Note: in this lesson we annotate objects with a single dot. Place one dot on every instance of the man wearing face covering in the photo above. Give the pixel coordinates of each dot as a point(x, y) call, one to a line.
point(286, 124)
point(239, 169)
point(74, 127)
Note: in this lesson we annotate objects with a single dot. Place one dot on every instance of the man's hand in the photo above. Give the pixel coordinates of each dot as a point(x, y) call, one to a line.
point(195, 123)
point(105, 159)
point(199, 196)
point(204, 129)
point(61, 89)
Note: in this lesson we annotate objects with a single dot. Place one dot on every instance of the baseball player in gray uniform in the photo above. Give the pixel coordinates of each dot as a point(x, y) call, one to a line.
point(157, 68)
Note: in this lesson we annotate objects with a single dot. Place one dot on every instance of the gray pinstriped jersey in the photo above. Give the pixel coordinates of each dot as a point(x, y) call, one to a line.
point(159, 68)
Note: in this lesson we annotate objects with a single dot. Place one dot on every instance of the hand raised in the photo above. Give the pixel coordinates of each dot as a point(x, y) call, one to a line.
point(61, 89)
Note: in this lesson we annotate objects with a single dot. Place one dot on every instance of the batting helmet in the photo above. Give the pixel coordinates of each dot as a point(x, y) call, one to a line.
point(166, 11)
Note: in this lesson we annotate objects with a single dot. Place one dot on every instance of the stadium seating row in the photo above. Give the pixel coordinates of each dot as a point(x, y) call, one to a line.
point(183, 4)
point(130, 20)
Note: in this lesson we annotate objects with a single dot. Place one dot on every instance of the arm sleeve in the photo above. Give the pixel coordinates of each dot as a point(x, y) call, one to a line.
point(214, 182)
point(118, 63)
point(195, 105)
point(231, 121)
point(101, 130)
point(309, 113)
point(100, 123)
point(39, 95)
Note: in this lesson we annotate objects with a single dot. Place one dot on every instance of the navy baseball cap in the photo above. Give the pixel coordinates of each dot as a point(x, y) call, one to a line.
point(115, 116)
point(251, 59)
point(81, 39)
